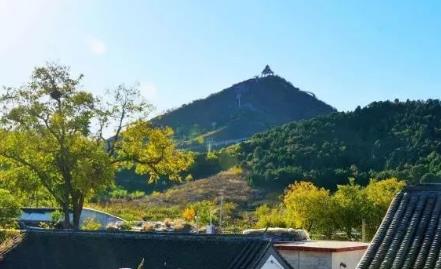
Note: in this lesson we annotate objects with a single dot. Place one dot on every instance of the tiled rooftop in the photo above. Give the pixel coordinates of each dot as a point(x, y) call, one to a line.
point(73, 250)
point(410, 234)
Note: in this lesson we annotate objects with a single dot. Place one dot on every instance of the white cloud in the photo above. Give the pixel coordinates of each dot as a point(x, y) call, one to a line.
point(97, 46)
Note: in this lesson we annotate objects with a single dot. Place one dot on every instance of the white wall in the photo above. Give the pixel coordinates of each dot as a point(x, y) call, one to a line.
point(272, 263)
point(322, 260)
point(350, 258)
point(102, 217)
point(307, 259)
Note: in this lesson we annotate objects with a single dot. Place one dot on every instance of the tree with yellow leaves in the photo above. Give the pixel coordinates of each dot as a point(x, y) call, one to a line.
point(54, 133)
point(308, 207)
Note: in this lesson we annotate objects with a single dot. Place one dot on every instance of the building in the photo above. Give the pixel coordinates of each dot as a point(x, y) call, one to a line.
point(410, 234)
point(300, 252)
point(43, 249)
point(322, 254)
point(33, 217)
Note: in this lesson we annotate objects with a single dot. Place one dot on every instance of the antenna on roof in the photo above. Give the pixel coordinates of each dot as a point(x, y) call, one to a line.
point(267, 72)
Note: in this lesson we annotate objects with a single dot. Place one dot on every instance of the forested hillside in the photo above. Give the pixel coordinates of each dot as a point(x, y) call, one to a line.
point(241, 111)
point(401, 139)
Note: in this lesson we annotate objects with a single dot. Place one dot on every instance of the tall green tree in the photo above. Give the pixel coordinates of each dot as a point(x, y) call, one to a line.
point(55, 133)
point(379, 195)
point(308, 207)
point(350, 201)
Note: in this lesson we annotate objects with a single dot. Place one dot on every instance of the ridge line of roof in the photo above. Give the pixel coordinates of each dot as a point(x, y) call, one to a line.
point(427, 187)
point(134, 235)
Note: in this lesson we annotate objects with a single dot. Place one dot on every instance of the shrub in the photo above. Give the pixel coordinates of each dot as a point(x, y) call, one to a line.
point(91, 224)
point(270, 217)
point(57, 216)
point(137, 195)
point(126, 226)
point(205, 212)
point(188, 214)
point(118, 193)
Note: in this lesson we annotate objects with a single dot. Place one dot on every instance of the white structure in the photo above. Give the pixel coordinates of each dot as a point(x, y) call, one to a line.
point(34, 216)
point(322, 254)
point(272, 263)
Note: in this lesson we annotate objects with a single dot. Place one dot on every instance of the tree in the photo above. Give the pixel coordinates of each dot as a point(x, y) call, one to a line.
point(379, 195)
point(350, 201)
point(9, 209)
point(363, 144)
point(308, 207)
point(54, 132)
point(270, 217)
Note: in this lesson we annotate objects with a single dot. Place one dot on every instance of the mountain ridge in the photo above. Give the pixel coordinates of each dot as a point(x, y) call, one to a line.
point(384, 139)
point(240, 111)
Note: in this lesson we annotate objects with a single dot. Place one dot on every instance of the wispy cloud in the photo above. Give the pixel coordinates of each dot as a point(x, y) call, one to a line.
point(97, 46)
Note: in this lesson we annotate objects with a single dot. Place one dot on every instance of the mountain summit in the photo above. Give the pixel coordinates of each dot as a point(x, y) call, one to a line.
point(240, 111)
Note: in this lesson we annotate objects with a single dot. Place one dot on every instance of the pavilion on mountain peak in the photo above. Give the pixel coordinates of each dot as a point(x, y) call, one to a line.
point(267, 72)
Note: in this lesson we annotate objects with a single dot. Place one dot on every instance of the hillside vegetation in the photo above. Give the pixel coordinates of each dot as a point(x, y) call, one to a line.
point(240, 111)
point(384, 139)
point(231, 184)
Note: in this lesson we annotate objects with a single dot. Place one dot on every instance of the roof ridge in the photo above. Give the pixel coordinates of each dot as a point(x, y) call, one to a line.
point(153, 235)
point(248, 256)
point(429, 187)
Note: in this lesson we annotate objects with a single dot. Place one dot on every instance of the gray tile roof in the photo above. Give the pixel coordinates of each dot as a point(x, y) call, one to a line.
point(73, 250)
point(410, 234)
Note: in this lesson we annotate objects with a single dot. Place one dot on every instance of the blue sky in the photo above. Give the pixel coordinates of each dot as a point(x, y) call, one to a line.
point(347, 52)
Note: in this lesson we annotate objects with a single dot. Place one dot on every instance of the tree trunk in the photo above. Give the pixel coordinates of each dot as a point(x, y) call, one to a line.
point(77, 209)
point(66, 222)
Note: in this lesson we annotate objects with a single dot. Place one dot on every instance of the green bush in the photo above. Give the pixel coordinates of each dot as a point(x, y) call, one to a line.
point(136, 195)
point(270, 217)
point(91, 224)
point(126, 226)
point(57, 216)
point(160, 213)
point(119, 193)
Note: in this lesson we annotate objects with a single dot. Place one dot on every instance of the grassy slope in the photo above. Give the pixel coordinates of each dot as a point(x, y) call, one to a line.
point(170, 203)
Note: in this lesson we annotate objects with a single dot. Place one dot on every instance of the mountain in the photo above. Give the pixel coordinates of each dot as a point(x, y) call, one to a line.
point(240, 111)
point(383, 139)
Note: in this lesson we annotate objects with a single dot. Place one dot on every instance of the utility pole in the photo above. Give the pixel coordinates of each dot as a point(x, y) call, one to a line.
point(209, 145)
point(221, 209)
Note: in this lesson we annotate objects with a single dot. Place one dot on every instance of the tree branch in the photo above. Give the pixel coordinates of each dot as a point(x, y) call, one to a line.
point(40, 174)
